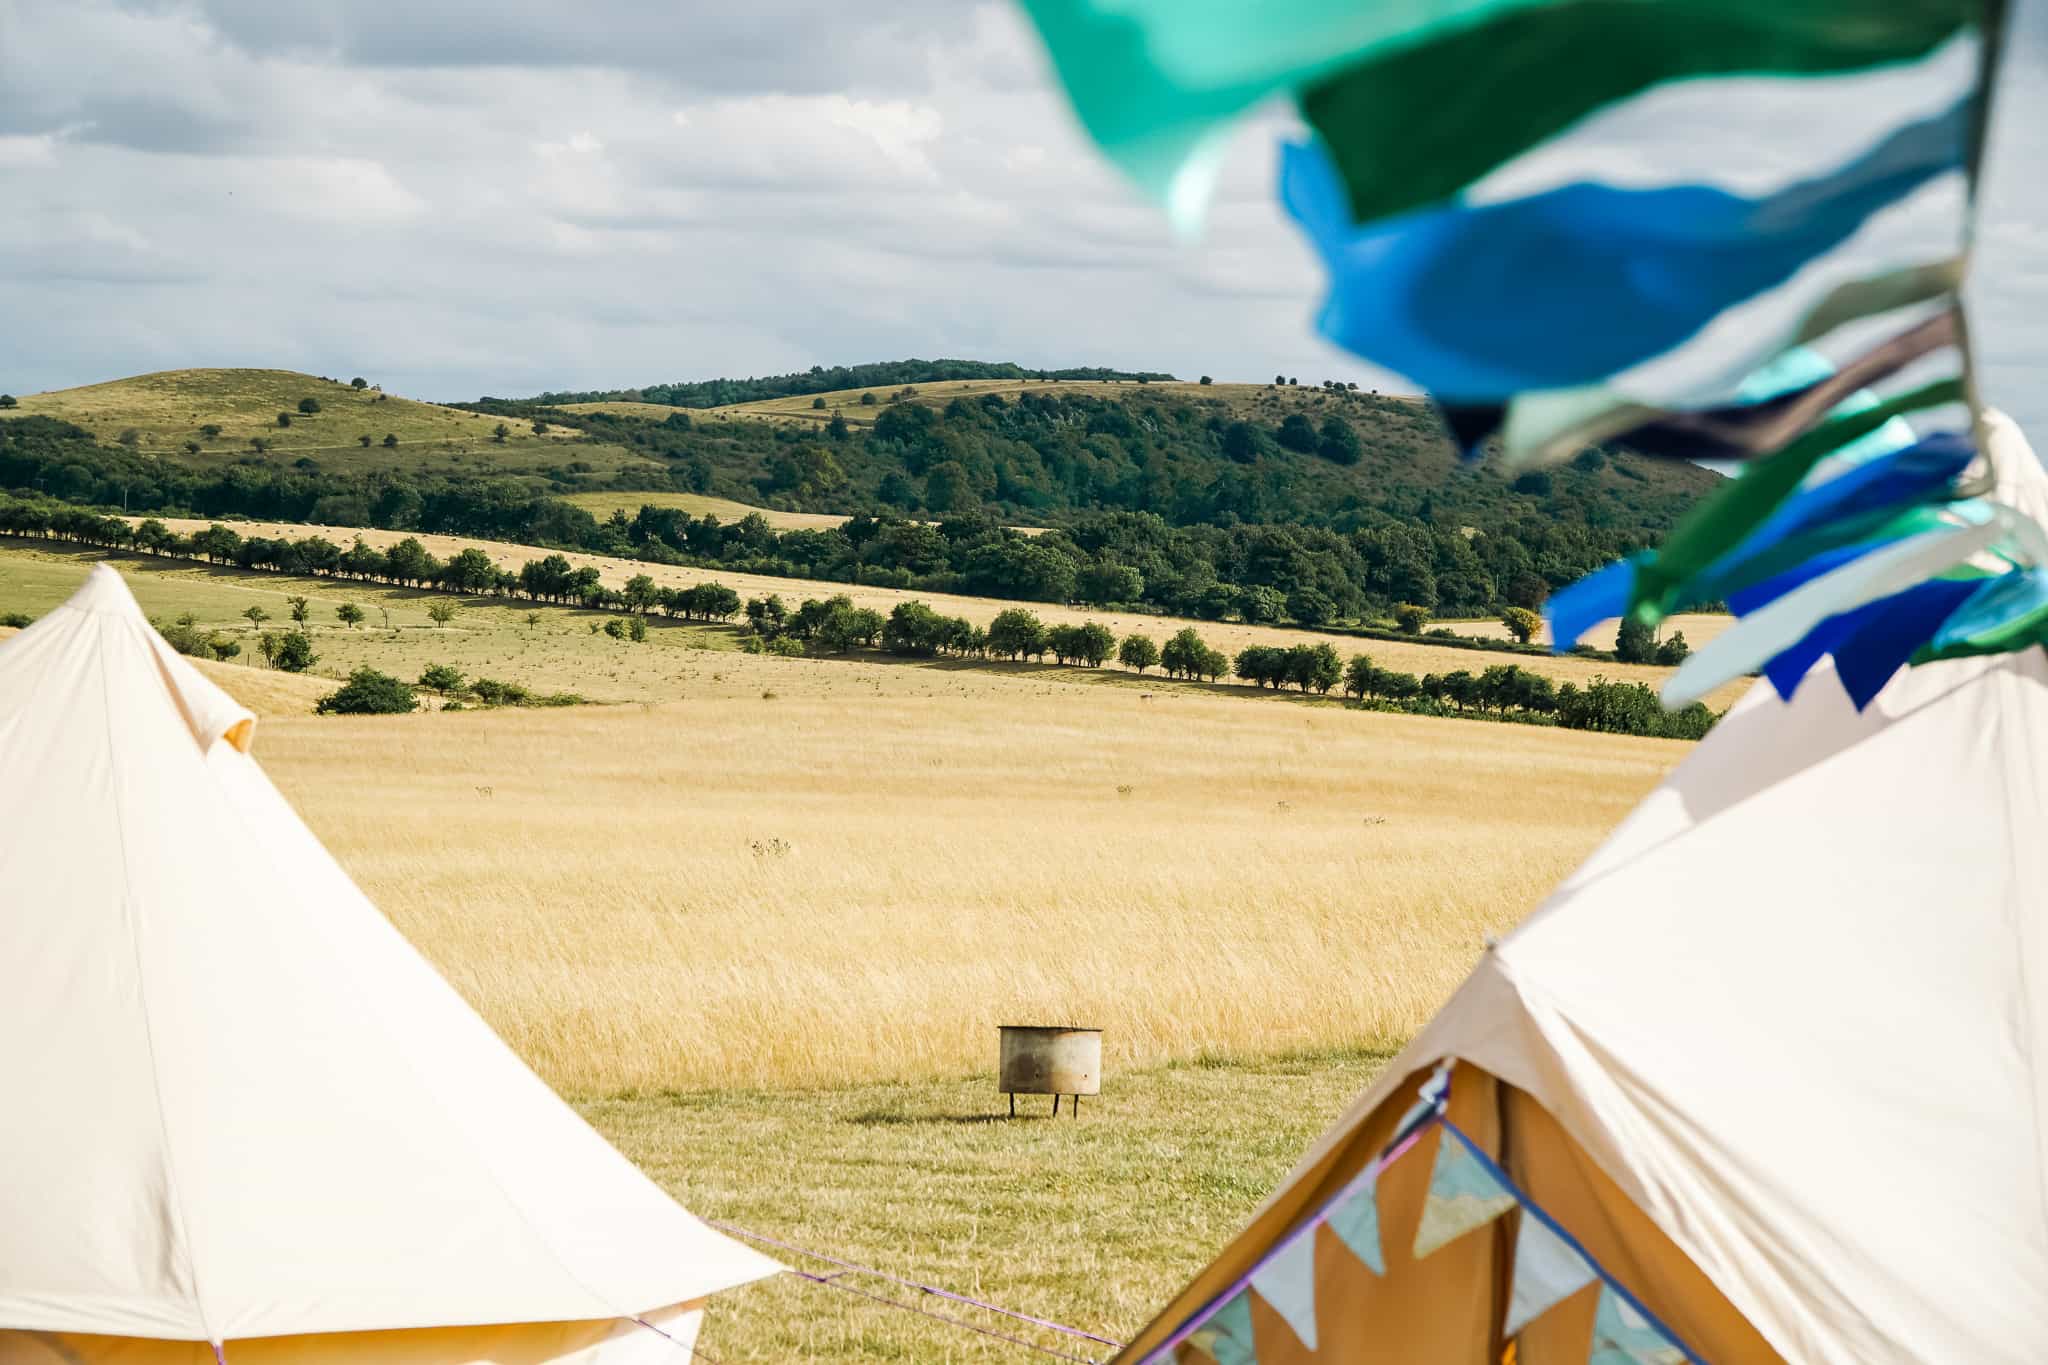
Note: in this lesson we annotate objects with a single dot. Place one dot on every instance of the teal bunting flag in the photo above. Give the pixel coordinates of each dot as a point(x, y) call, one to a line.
point(1548, 1270)
point(1227, 1336)
point(1356, 1223)
point(1622, 1336)
point(1463, 1195)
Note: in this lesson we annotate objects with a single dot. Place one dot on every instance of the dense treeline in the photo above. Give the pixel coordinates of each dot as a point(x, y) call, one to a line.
point(711, 393)
point(1167, 505)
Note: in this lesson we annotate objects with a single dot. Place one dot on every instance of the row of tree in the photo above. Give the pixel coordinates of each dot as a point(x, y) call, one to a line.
point(838, 625)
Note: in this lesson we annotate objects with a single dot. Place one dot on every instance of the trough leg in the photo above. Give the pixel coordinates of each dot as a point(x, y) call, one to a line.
point(1013, 1104)
point(1075, 1112)
point(1055, 1106)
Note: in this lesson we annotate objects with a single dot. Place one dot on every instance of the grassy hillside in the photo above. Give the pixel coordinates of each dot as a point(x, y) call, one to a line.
point(163, 414)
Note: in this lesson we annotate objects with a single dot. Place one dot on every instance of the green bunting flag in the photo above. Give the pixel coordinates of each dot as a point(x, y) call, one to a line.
point(1463, 1195)
point(1493, 90)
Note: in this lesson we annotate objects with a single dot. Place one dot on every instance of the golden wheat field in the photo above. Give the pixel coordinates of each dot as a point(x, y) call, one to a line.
point(810, 891)
point(1417, 656)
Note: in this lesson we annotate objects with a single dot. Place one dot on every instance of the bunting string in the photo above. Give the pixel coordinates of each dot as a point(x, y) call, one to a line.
point(1468, 1190)
point(1546, 314)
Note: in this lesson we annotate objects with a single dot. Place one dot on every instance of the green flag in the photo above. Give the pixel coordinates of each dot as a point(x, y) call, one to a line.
point(1720, 523)
point(1414, 125)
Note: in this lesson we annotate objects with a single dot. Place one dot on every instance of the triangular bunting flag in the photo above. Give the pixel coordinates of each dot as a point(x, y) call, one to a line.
point(1547, 1272)
point(1463, 1195)
point(1227, 1336)
point(1621, 1336)
point(1288, 1283)
point(1356, 1222)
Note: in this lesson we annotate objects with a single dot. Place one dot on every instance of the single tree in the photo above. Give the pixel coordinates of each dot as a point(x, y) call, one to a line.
point(442, 678)
point(1635, 642)
point(257, 616)
point(867, 400)
point(301, 608)
point(210, 430)
point(258, 444)
point(500, 432)
point(8, 400)
point(1521, 623)
point(1674, 651)
point(818, 403)
point(368, 693)
point(1207, 380)
point(309, 406)
point(294, 652)
point(540, 428)
point(193, 447)
point(532, 619)
point(1137, 652)
point(364, 440)
point(266, 645)
point(636, 628)
point(1017, 632)
point(1411, 618)
point(390, 441)
point(359, 383)
point(441, 613)
point(349, 614)
point(284, 419)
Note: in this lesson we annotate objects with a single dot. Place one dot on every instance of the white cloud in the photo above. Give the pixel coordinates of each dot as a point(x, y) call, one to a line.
point(619, 193)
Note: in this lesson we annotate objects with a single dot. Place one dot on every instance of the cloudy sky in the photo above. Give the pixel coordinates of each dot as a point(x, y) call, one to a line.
point(457, 198)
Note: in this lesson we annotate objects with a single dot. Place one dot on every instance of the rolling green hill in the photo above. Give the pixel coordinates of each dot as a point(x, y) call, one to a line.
point(1320, 503)
point(221, 412)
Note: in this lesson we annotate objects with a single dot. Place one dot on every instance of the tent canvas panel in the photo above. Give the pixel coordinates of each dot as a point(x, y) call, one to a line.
point(600, 1342)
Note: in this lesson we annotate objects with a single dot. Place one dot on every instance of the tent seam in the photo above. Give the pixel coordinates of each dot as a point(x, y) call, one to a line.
point(175, 1190)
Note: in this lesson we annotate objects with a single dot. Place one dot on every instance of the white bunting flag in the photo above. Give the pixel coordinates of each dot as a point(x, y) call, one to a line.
point(1547, 1272)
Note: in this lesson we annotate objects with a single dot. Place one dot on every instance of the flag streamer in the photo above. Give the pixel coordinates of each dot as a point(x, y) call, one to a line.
point(1668, 319)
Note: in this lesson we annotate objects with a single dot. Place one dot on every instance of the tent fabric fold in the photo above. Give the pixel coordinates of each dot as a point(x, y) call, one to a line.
point(242, 1105)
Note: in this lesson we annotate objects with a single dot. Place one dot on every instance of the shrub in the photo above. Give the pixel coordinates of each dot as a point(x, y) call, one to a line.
point(294, 652)
point(1411, 618)
point(284, 419)
point(369, 693)
point(636, 629)
point(309, 406)
point(8, 400)
point(390, 441)
point(491, 692)
point(1674, 651)
point(20, 620)
point(1521, 623)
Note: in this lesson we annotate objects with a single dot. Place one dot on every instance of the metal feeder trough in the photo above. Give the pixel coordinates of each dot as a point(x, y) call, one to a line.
point(1055, 1060)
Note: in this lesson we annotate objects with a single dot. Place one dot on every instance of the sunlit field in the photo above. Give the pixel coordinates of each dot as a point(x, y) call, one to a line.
point(760, 926)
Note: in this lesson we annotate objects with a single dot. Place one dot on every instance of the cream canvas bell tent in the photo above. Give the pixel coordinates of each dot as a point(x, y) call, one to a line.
point(1772, 1066)
point(239, 1115)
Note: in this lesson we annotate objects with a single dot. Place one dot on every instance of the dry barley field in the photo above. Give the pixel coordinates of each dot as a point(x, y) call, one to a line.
point(760, 926)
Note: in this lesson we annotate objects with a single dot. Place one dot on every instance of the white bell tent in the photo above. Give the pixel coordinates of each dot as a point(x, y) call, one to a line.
point(241, 1114)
